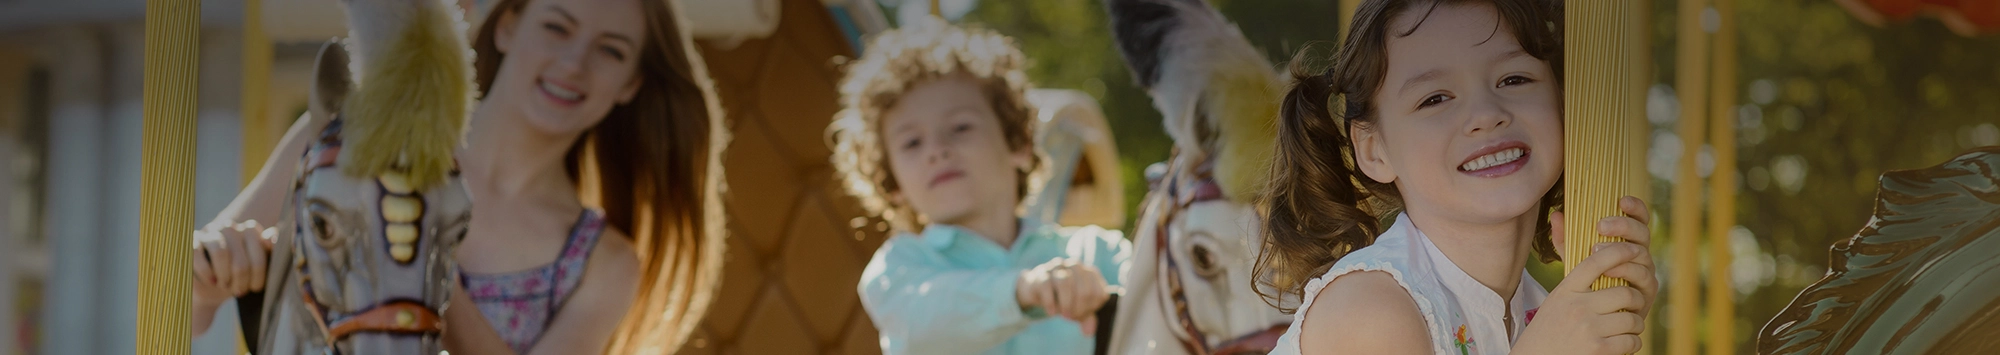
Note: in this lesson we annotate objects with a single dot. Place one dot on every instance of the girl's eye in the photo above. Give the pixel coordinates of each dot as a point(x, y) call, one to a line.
point(1512, 80)
point(912, 144)
point(613, 52)
point(961, 128)
point(555, 28)
point(1432, 100)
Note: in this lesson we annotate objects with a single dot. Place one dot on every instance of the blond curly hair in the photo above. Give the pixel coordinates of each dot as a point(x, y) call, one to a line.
point(899, 59)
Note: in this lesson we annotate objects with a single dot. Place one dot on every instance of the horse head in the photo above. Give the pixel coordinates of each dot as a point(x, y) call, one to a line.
point(378, 207)
point(1199, 234)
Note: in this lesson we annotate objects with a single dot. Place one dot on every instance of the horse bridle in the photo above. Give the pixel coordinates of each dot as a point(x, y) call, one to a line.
point(397, 316)
point(1190, 335)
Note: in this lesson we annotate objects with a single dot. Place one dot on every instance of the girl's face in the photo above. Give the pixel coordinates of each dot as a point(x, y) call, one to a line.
point(569, 61)
point(948, 154)
point(1469, 125)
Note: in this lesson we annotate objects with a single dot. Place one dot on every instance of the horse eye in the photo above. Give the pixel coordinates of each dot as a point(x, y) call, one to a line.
point(1204, 260)
point(322, 225)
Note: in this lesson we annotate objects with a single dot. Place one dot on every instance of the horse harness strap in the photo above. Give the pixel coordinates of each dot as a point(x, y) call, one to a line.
point(399, 316)
point(1190, 335)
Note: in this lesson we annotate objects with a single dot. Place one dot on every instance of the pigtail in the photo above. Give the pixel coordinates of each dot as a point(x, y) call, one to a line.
point(1317, 206)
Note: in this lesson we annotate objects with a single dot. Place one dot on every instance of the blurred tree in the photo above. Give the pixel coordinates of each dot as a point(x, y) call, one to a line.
point(1829, 105)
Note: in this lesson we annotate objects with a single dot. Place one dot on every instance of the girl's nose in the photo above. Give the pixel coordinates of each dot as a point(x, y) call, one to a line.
point(569, 60)
point(1487, 115)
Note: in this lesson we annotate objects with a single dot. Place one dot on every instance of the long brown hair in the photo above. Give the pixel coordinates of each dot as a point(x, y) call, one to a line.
point(1317, 208)
point(653, 166)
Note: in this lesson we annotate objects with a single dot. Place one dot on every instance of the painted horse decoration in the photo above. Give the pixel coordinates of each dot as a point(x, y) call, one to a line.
point(1189, 287)
point(377, 207)
point(1923, 277)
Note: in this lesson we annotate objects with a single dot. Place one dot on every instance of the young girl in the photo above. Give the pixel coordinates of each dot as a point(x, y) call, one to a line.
point(937, 133)
point(592, 155)
point(1449, 111)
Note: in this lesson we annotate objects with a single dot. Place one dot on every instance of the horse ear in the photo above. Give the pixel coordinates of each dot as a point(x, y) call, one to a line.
point(1141, 28)
point(331, 80)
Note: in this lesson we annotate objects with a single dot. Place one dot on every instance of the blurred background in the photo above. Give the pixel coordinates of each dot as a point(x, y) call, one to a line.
point(1828, 94)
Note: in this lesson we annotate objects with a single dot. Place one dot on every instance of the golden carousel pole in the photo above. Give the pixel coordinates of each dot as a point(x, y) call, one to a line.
point(173, 30)
point(1690, 82)
point(1721, 300)
point(1347, 8)
point(258, 137)
point(1601, 107)
point(1641, 186)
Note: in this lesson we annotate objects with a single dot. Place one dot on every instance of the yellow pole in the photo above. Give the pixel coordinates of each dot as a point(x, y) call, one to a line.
point(1347, 8)
point(1642, 186)
point(1721, 299)
point(1600, 108)
point(1691, 83)
point(258, 137)
point(173, 34)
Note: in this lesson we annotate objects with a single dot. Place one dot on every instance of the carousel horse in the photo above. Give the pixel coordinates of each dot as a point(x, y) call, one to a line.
point(1189, 287)
point(1922, 277)
point(377, 206)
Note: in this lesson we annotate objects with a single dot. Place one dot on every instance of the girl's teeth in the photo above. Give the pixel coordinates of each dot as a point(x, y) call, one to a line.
point(1490, 160)
point(560, 93)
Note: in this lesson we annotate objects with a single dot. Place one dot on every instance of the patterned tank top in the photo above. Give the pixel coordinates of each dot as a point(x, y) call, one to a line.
point(520, 304)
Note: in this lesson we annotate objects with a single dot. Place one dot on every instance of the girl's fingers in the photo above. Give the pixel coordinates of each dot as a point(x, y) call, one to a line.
point(219, 259)
point(260, 256)
point(1635, 208)
point(1615, 300)
point(1619, 344)
point(239, 268)
point(1624, 227)
point(1089, 325)
point(203, 274)
point(1602, 258)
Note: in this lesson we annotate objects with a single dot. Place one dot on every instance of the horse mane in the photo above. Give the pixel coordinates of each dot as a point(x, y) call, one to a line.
point(414, 92)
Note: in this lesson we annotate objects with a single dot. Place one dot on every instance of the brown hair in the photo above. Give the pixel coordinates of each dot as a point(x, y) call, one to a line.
point(899, 59)
point(1317, 208)
point(653, 166)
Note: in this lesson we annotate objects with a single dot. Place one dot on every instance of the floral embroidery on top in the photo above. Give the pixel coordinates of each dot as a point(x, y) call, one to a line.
point(1463, 341)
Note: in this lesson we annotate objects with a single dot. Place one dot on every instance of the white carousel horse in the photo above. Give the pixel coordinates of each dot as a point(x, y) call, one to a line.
point(1189, 287)
point(368, 266)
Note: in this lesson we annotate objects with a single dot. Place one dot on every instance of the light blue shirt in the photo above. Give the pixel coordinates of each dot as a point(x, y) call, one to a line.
point(951, 291)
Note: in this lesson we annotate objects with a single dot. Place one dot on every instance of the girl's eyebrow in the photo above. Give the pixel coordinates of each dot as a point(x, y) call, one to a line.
point(1430, 75)
point(1511, 55)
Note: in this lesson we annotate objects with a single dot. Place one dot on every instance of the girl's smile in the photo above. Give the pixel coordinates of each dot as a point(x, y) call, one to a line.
point(1496, 160)
point(561, 95)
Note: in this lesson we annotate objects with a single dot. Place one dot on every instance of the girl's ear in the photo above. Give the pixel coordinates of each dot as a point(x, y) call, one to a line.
point(1371, 154)
point(503, 32)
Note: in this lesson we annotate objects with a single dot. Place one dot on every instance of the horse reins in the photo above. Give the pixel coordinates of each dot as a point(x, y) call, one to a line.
point(1190, 335)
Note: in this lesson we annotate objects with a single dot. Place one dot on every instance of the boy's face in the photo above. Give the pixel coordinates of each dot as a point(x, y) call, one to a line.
point(1470, 125)
point(948, 154)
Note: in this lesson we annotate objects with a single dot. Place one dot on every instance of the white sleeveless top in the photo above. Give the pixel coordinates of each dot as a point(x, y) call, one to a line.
point(1464, 317)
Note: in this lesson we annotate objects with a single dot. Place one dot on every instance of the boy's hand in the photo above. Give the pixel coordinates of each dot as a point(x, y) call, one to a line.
point(1576, 319)
point(1065, 288)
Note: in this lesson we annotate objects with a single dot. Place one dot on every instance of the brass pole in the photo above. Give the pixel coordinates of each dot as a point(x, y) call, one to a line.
point(1721, 338)
point(258, 136)
point(173, 34)
point(1600, 108)
point(1691, 82)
